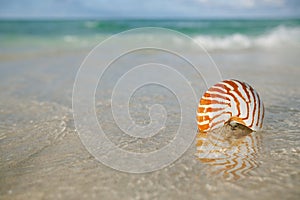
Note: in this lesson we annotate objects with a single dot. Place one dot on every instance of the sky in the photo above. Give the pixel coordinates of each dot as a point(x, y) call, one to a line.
point(22, 9)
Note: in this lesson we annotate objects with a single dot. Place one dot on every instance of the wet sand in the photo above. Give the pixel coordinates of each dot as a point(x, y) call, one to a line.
point(42, 156)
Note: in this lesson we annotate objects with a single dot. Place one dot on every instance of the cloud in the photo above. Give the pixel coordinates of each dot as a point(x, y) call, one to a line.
point(248, 3)
point(240, 3)
point(275, 2)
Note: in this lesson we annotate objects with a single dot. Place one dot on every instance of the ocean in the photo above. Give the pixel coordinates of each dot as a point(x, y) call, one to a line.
point(213, 34)
point(45, 151)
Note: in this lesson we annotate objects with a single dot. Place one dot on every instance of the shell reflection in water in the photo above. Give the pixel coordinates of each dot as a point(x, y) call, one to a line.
point(230, 154)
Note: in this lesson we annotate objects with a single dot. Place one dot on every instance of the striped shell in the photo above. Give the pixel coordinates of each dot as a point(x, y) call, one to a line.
point(230, 101)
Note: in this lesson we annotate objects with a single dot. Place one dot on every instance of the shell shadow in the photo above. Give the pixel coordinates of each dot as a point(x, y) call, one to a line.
point(229, 152)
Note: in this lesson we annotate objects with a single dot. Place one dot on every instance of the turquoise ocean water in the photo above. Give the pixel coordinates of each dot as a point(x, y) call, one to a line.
point(213, 34)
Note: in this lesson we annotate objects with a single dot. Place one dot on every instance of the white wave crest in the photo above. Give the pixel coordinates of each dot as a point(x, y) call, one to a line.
point(278, 38)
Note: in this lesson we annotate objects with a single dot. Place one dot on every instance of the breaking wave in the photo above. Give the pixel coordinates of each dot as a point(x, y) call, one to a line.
point(280, 37)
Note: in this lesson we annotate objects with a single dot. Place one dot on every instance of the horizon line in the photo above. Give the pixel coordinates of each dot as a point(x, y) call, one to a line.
point(153, 18)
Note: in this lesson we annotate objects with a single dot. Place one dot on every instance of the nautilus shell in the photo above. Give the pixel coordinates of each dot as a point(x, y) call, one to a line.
point(232, 102)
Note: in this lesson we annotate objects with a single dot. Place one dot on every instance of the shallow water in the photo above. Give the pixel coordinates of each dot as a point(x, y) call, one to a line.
point(43, 157)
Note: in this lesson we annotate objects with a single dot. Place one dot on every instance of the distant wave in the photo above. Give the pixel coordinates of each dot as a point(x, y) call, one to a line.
point(279, 37)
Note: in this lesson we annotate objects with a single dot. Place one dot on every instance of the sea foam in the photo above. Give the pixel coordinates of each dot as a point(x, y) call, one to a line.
point(277, 38)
